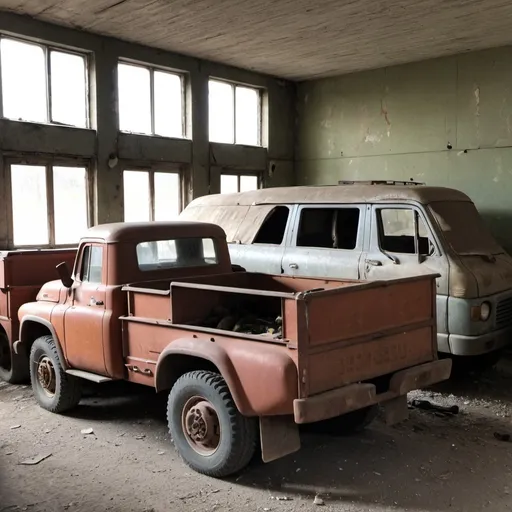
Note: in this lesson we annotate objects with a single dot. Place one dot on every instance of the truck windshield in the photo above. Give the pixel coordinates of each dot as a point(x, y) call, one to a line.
point(464, 228)
point(176, 253)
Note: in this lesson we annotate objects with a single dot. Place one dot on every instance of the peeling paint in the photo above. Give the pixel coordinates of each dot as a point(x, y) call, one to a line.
point(476, 93)
point(372, 138)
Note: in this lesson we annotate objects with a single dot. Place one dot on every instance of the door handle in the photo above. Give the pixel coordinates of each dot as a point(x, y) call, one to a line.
point(374, 263)
point(94, 302)
point(294, 266)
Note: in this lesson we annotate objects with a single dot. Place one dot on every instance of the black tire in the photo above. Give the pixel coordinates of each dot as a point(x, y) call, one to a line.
point(65, 392)
point(237, 433)
point(13, 367)
point(347, 424)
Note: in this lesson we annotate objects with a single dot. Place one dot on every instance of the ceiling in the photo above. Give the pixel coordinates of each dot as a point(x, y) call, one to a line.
point(295, 39)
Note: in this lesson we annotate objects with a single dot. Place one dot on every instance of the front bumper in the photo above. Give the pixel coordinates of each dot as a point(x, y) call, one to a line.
point(356, 396)
point(460, 345)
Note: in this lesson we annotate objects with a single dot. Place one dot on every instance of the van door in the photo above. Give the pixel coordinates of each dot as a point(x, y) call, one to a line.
point(326, 241)
point(265, 253)
point(402, 244)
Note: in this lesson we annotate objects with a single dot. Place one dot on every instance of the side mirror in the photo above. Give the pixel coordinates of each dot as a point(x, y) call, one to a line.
point(64, 274)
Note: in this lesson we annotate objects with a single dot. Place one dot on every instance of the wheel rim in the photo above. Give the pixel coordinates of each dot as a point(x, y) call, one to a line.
point(46, 375)
point(201, 426)
point(5, 353)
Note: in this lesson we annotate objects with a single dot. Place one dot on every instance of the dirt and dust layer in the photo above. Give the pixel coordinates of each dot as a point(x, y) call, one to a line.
point(113, 453)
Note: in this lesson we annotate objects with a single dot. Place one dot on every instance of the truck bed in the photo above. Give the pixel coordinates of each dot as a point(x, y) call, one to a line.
point(338, 332)
point(22, 273)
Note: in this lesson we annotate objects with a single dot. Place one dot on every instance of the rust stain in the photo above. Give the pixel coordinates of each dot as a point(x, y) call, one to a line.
point(384, 112)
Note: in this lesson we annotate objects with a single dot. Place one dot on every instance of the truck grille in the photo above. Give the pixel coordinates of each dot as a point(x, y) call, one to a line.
point(504, 313)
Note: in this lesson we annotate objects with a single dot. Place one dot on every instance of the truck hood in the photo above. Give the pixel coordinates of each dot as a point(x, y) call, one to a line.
point(50, 292)
point(490, 274)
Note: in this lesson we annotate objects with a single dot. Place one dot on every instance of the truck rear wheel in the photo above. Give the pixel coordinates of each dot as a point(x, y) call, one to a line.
point(207, 429)
point(349, 423)
point(13, 368)
point(54, 389)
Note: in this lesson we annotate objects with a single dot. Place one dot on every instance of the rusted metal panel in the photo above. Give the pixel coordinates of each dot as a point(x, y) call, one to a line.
point(279, 436)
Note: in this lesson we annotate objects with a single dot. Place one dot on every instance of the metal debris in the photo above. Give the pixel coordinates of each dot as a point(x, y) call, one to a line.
point(15, 426)
point(318, 501)
point(87, 431)
point(35, 460)
point(426, 405)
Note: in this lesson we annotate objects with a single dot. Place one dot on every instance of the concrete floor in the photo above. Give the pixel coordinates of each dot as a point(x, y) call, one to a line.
point(427, 463)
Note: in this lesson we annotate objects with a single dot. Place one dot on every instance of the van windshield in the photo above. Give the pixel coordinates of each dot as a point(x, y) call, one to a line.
point(464, 228)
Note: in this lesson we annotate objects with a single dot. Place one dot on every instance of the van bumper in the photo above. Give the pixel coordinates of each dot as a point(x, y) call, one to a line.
point(460, 345)
point(356, 396)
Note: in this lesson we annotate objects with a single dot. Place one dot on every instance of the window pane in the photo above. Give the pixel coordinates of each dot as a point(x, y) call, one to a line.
point(23, 81)
point(248, 183)
point(136, 196)
point(29, 206)
point(221, 115)
point(398, 232)
point(168, 105)
point(69, 90)
point(134, 98)
point(228, 184)
point(179, 253)
point(167, 195)
point(273, 228)
point(92, 264)
point(70, 203)
point(247, 116)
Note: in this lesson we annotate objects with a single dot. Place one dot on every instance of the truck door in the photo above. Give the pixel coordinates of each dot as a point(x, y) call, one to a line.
point(83, 320)
point(327, 241)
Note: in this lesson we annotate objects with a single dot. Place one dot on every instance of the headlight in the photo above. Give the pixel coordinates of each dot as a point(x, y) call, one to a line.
point(485, 311)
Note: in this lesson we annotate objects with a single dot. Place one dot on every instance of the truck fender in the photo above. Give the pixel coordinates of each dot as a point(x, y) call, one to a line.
point(22, 345)
point(168, 369)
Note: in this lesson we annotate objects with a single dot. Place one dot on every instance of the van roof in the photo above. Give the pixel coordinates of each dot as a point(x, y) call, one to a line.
point(350, 193)
point(150, 231)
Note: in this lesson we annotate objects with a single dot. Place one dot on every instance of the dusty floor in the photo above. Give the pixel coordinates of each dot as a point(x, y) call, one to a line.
point(428, 463)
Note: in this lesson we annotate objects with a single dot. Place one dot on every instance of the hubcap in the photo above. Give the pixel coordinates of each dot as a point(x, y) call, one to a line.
point(46, 375)
point(201, 425)
point(5, 353)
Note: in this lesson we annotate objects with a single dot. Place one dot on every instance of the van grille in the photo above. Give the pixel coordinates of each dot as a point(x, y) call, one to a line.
point(504, 313)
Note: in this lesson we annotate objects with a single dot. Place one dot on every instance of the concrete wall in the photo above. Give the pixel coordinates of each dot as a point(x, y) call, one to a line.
point(445, 122)
point(200, 161)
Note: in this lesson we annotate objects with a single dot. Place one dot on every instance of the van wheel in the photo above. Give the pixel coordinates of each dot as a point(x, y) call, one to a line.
point(349, 423)
point(54, 389)
point(13, 367)
point(207, 430)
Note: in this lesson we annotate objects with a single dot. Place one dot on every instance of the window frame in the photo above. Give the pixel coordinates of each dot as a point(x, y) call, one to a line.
point(48, 48)
point(48, 163)
point(260, 92)
point(152, 68)
point(319, 206)
point(151, 170)
point(418, 214)
point(239, 174)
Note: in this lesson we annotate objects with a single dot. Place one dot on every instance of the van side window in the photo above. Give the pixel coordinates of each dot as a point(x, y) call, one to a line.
point(397, 231)
point(273, 228)
point(329, 228)
point(92, 264)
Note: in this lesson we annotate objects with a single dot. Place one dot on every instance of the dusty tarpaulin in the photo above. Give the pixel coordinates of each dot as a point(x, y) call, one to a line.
point(228, 218)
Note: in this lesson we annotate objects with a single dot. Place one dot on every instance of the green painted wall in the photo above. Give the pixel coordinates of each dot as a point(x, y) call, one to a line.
point(398, 123)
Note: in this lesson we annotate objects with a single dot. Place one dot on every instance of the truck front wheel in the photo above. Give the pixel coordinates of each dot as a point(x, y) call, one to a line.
point(207, 429)
point(13, 368)
point(54, 389)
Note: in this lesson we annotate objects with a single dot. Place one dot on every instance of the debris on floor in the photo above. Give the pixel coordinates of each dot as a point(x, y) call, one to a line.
point(35, 460)
point(318, 501)
point(426, 405)
point(502, 437)
point(87, 431)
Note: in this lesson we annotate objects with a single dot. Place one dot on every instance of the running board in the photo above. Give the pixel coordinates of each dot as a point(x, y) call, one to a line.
point(89, 376)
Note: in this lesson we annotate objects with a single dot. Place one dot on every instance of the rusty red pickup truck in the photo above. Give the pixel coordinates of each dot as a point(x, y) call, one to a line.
point(244, 357)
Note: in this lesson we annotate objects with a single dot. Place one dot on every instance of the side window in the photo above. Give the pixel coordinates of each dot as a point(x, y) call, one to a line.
point(273, 228)
point(92, 264)
point(329, 228)
point(397, 231)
